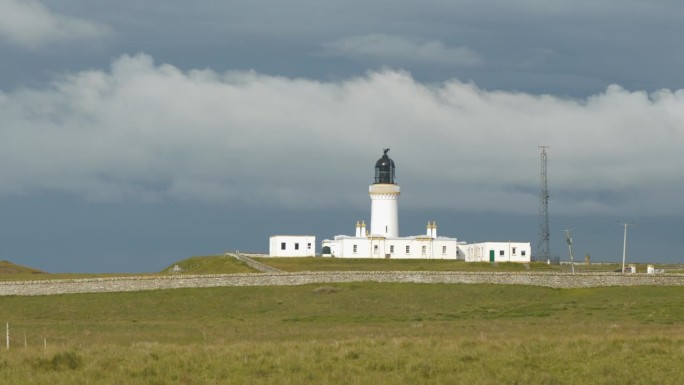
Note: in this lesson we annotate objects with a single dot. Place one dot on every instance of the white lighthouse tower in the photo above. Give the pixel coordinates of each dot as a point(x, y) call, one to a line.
point(384, 194)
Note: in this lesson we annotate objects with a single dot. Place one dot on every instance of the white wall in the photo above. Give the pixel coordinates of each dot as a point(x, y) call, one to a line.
point(395, 248)
point(503, 251)
point(384, 210)
point(292, 246)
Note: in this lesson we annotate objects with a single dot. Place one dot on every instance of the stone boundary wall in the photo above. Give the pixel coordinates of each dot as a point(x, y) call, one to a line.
point(245, 258)
point(140, 283)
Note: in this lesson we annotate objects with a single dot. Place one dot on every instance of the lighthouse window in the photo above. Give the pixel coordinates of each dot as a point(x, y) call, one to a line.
point(282, 246)
point(296, 246)
point(408, 249)
point(424, 250)
point(375, 249)
point(354, 249)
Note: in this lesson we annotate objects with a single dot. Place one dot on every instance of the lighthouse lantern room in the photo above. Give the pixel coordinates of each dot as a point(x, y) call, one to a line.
point(384, 194)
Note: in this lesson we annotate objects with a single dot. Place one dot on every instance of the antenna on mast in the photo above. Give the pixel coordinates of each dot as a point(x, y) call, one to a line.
point(543, 252)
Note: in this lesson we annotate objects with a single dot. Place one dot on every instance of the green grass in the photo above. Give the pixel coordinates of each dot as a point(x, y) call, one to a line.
point(353, 333)
point(12, 272)
point(211, 264)
point(50, 276)
point(9, 269)
point(219, 264)
point(365, 264)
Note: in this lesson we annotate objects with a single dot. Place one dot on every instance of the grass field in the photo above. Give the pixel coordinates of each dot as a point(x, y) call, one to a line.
point(349, 264)
point(220, 264)
point(213, 264)
point(356, 333)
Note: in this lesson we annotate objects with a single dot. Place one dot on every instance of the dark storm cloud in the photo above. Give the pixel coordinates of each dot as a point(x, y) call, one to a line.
point(557, 47)
point(153, 132)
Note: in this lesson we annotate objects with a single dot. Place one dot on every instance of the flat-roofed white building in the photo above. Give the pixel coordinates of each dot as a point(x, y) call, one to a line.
point(497, 252)
point(292, 246)
point(427, 246)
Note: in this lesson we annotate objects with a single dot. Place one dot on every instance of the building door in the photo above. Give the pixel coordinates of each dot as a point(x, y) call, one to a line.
point(491, 256)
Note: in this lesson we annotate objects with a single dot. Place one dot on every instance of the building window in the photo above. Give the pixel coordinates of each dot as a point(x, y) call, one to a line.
point(408, 249)
point(423, 250)
point(355, 249)
point(308, 246)
point(522, 253)
point(501, 252)
point(514, 251)
point(391, 249)
point(375, 249)
point(443, 249)
point(296, 246)
point(282, 246)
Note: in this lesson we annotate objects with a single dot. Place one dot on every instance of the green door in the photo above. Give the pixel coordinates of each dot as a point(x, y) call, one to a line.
point(491, 256)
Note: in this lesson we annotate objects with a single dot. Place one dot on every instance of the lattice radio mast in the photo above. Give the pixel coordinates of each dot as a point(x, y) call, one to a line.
point(543, 252)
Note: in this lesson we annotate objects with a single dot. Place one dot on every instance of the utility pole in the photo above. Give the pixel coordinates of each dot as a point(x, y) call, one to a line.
point(624, 244)
point(568, 239)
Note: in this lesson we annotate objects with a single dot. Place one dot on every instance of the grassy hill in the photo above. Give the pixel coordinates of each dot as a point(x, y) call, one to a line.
point(365, 264)
point(7, 267)
point(210, 264)
point(219, 264)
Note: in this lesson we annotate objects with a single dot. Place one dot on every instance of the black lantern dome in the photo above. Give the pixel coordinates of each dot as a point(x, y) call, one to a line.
point(384, 169)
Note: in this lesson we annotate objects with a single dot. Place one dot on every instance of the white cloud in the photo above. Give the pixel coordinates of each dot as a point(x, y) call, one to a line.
point(394, 48)
point(29, 24)
point(153, 132)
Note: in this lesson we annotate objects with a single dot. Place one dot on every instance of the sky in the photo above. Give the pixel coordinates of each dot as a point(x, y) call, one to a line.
point(136, 134)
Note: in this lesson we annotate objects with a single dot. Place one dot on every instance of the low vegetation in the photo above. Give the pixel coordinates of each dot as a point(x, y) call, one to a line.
point(348, 264)
point(210, 264)
point(8, 268)
point(214, 264)
point(226, 264)
point(354, 333)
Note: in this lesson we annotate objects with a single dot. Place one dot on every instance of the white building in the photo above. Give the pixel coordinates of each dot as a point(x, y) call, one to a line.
point(383, 240)
point(292, 246)
point(497, 252)
point(428, 246)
